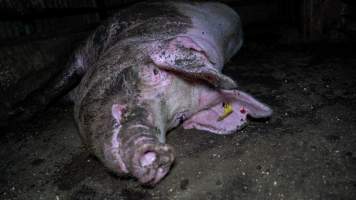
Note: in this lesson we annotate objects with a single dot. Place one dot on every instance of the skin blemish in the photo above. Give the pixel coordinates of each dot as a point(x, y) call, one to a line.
point(242, 110)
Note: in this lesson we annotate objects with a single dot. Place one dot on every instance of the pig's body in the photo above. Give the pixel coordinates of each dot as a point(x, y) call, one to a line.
point(151, 71)
point(150, 68)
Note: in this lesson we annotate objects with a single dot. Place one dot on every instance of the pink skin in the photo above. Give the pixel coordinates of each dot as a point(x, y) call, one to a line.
point(148, 158)
point(220, 37)
point(181, 69)
point(211, 108)
point(152, 159)
point(167, 78)
point(115, 155)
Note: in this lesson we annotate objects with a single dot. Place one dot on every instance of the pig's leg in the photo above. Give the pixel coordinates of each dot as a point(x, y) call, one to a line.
point(218, 117)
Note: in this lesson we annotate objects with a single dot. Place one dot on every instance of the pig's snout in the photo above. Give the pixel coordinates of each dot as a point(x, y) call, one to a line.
point(149, 160)
point(154, 161)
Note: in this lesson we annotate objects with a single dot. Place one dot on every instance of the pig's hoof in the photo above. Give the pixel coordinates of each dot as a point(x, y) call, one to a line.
point(152, 162)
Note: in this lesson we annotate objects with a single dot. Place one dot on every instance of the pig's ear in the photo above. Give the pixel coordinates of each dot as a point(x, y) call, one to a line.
point(229, 115)
point(117, 111)
point(255, 108)
point(183, 56)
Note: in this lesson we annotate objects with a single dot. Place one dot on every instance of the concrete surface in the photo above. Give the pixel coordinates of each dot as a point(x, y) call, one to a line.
point(307, 150)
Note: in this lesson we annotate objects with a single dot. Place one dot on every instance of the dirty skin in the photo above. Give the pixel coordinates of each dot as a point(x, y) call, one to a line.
point(148, 69)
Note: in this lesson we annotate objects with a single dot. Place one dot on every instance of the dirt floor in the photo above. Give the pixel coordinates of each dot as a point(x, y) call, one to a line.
point(307, 150)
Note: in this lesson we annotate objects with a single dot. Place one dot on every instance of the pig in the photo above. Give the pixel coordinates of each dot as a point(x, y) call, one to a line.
point(148, 69)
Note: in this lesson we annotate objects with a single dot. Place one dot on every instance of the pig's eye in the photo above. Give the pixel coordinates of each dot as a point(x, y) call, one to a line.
point(151, 75)
point(155, 71)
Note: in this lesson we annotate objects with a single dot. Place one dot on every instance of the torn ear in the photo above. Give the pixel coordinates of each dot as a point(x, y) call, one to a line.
point(117, 111)
point(183, 56)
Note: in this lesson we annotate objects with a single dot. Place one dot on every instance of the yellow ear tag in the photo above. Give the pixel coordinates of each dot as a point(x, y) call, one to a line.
point(227, 111)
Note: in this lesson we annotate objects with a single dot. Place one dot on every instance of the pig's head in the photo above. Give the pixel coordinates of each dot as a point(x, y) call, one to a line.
point(140, 87)
point(115, 123)
point(216, 104)
point(140, 90)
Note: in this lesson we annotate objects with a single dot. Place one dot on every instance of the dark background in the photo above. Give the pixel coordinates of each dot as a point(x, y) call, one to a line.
point(312, 20)
point(37, 36)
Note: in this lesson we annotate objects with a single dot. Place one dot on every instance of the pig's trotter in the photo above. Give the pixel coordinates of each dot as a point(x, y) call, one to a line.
point(149, 161)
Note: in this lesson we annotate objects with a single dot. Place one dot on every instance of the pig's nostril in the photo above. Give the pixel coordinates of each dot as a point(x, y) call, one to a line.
point(148, 158)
